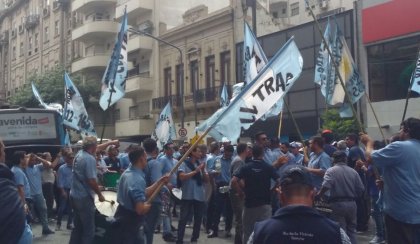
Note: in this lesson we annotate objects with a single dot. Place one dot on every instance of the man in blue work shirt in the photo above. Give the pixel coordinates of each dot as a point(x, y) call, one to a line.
point(399, 163)
point(131, 196)
point(64, 179)
point(222, 199)
point(33, 172)
point(294, 149)
point(318, 162)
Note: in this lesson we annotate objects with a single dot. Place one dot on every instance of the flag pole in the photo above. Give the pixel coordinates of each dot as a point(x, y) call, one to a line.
point(175, 168)
point(293, 120)
point(105, 113)
point(409, 90)
point(376, 118)
point(280, 123)
point(347, 96)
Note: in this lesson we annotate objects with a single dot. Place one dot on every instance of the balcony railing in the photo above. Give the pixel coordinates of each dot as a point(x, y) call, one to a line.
point(200, 96)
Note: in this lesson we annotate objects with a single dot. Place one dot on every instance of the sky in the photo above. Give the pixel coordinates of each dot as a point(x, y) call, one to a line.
point(172, 10)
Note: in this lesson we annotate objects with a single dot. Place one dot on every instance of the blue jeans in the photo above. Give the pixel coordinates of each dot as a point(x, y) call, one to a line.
point(152, 218)
point(84, 220)
point(65, 205)
point(41, 208)
point(378, 217)
point(26, 237)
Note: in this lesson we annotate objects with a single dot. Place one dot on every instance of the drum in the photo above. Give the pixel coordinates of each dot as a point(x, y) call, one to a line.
point(111, 179)
point(104, 216)
point(176, 195)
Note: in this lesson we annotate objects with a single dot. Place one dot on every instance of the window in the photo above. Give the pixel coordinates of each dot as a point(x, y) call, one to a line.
point(194, 86)
point(275, 15)
point(30, 43)
point(46, 34)
point(133, 112)
point(21, 49)
point(36, 42)
point(210, 67)
point(56, 28)
point(294, 8)
point(225, 68)
point(144, 108)
point(117, 114)
point(167, 76)
point(179, 73)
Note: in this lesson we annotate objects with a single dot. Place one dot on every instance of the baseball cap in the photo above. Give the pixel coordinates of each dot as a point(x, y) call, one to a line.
point(296, 174)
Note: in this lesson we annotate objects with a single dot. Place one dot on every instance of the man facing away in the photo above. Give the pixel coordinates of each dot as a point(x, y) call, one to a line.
point(297, 221)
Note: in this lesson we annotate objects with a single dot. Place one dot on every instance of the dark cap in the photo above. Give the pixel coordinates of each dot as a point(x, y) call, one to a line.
point(296, 174)
point(339, 156)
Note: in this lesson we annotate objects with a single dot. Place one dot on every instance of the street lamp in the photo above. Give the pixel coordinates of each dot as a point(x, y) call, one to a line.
point(181, 73)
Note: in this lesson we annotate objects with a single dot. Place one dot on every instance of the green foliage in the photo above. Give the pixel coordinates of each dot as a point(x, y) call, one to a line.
point(51, 87)
point(340, 126)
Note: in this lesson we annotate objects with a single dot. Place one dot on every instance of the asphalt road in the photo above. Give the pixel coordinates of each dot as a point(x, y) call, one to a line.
point(63, 236)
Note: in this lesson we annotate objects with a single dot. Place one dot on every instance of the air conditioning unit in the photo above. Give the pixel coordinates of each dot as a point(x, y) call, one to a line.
point(323, 4)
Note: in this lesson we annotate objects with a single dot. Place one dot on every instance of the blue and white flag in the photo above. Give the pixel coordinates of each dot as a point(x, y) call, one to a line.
point(165, 127)
point(52, 106)
point(415, 82)
point(114, 78)
point(224, 97)
point(270, 86)
point(75, 115)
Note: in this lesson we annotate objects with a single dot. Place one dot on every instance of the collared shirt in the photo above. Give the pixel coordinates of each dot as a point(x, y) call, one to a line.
point(84, 168)
point(34, 177)
point(124, 160)
point(190, 189)
point(168, 163)
point(224, 170)
point(343, 182)
point(22, 180)
point(154, 170)
point(299, 159)
point(276, 153)
point(211, 159)
point(319, 161)
point(131, 188)
point(114, 163)
point(65, 176)
point(269, 158)
point(400, 162)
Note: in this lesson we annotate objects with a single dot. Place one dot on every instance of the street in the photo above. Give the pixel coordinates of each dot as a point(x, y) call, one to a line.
point(63, 236)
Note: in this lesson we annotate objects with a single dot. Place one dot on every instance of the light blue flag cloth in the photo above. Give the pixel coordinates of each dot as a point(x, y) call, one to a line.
point(67, 139)
point(415, 86)
point(52, 106)
point(114, 78)
point(75, 115)
point(345, 111)
point(165, 127)
point(224, 97)
point(270, 86)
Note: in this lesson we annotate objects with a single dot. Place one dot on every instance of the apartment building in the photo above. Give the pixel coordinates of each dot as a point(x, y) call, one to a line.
point(35, 35)
point(192, 82)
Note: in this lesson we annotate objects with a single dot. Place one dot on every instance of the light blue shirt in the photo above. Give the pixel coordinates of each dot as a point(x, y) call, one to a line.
point(124, 160)
point(224, 175)
point(269, 158)
point(84, 168)
point(131, 188)
point(299, 159)
point(65, 176)
point(400, 164)
point(34, 174)
point(276, 153)
point(190, 189)
point(168, 164)
point(155, 169)
point(211, 158)
point(22, 180)
point(319, 161)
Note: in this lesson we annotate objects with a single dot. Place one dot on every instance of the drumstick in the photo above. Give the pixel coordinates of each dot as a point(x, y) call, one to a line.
point(112, 201)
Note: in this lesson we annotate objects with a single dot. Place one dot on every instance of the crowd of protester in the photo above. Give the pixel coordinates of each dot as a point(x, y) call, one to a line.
point(265, 191)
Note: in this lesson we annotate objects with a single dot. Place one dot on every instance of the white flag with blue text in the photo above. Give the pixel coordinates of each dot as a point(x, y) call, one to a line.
point(415, 86)
point(165, 127)
point(224, 97)
point(75, 115)
point(114, 78)
point(270, 86)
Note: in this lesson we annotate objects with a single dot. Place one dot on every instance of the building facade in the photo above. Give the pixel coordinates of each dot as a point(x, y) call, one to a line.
point(194, 80)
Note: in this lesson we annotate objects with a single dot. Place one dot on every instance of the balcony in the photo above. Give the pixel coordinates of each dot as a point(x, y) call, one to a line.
point(98, 60)
point(90, 5)
point(134, 127)
point(135, 8)
point(95, 29)
point(136, 42)
point(138, 85)
point(160, 102)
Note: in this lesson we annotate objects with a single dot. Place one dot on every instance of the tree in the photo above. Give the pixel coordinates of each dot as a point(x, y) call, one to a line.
point(51, 87)
point(331, 120)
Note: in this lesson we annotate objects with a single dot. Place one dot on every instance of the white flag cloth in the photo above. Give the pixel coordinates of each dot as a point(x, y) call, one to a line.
point(75, 115)
point(113, 81)
point(165, 128)
point(53, 106)
point(224, 97)
point(270, 86)
point(415, 86)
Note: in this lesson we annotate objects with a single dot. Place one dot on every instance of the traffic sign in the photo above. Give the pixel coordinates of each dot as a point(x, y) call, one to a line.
point(182, 132)
point(195, 138)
